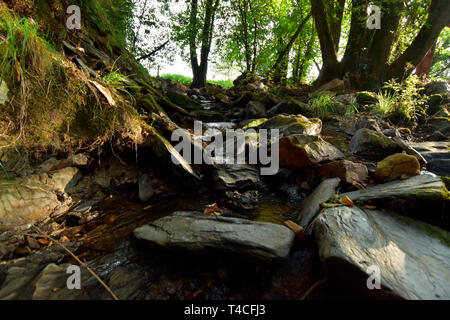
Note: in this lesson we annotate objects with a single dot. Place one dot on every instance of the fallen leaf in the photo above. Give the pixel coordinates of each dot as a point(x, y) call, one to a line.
point(64, 239)
point(347, 201)
point(370, 207)
point(43, 241)
point(111, 219)
point(105, 91)
point(212, 209)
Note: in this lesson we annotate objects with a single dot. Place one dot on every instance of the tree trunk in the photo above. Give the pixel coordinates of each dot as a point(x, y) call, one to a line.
point(337, 14)
point(200, 71)
point(383, 39)
point(331, 68)
point(192, 30)
point(423, 69)
point(368, 52)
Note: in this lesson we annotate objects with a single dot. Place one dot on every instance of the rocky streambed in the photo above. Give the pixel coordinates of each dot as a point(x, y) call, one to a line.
point(350, 196)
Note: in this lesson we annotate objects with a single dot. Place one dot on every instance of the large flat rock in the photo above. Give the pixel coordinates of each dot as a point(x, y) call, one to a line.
point(197, 232)
point(437, 155)
point(413, 258)
point(33, 198)
point(422, 197)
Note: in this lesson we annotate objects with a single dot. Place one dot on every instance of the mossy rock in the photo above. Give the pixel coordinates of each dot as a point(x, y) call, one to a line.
point(397, 166)
point(441, 124)
point(13, 159)
point(207, 116)
point(365, 98)
point(183, 101)
point(423, 197)
point(293, 124)
point(294, 106)
point(223, 98)
point(252, 123)
point(243, 99)
point(372, 145)
point(246, 78)
point(434, 103)
point(148, 103)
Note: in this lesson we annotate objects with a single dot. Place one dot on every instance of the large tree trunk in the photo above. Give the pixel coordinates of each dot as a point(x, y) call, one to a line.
point(200, 71)
point(368, 52)
point(331, 68)
point(383, 40)
point(192, 30)
point(423, 69)
point(336, 14)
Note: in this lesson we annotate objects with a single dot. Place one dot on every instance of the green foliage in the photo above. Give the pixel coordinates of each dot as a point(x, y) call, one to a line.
point(406, 105)
point(112, 18)
point(385, 103)
point(114, 78)
point(323, 105)
point(184, 80)
point(4, 170)
point(14, 44)
point(352, 108)
point(441, 60)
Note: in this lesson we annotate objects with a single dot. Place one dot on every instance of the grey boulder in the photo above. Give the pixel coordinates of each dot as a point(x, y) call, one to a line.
point(413, 258)
point(197, 232)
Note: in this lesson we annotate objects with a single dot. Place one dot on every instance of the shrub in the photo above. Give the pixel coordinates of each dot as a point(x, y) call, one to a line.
point(406, 105)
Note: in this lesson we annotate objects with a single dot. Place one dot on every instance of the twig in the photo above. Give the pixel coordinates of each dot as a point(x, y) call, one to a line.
point(315, 285)
point(42, 234)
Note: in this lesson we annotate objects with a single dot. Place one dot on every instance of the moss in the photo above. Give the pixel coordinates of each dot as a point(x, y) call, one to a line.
point(254, 123)
point(149, 104)
point(366, 98)
point(208, 116)
point(446, 181)
point(183, 101)
point(379, 139)
point(432, 231)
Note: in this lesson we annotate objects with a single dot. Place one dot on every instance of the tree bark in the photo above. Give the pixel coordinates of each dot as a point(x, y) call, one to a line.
point(331, 67)
point(423, 69)
point(192, 30)
point(337, 14)
point(382, 43)
point(200, 71)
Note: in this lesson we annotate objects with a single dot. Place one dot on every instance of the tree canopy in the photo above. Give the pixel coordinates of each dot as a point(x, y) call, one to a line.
point(294, 40)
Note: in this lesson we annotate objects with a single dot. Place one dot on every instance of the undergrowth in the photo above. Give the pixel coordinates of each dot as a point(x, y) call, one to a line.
point(184, 80)
point(51, 102)
point(403, 103)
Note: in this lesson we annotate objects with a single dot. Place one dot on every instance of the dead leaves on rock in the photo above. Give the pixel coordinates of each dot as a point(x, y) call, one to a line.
point(347, 201)
point(213, 209)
